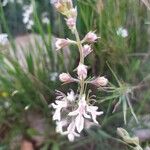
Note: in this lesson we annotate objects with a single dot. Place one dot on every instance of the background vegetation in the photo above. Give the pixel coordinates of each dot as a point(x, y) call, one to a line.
point(29, 72)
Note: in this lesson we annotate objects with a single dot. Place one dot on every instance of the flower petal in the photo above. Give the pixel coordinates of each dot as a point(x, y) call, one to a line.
point(71, 137)
point(56, 115)
point(54, 105)
point(98, 113)
point(86, 115)
point(94, 119)
point(79, 122)
point(73, 113)
point(76, 134)
point(71, 127)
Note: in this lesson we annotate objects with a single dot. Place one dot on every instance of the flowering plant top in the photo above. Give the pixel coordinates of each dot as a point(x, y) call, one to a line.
point(75, 111)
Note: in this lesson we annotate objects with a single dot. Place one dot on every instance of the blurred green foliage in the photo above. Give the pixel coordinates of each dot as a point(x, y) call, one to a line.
point(24, 91)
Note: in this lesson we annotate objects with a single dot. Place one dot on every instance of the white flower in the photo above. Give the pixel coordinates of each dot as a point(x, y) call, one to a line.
point(71, 132)
point(27, 16)
point(29, 24)
point(58, 107)
point(3, 39)
point(53, 76)
point(82, 71)
point(94, 113)
point(84, 111)
point(80, 113)
point(45, 19)
point(4, 3)
point(7, 104)
point(60, 125)
point(86, 50)
point(122, 32)
point(71, 96)
point(27, 107)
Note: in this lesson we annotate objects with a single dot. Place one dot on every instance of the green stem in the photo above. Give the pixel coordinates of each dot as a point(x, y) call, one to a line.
point(79, 44)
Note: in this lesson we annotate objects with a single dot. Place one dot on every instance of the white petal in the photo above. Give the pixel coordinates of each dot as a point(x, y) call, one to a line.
point(71, 96)
point(71, 137)
point(98, 113)
point(61, 104)
point(71, 127)
point(60, 125)
point(94, 118)
point(76, 134)
point(73, 113)
point(54, 105)
point(79, 122)
point(92, 108)
point(86, 115)
point(58, 102)
point(56, 115)
point(64, 133)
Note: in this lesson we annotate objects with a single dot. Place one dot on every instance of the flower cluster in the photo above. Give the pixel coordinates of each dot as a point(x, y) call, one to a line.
point(80, 114)
point(122, 32)
point(75, 111)
point(3, 39)
point(45, 19)
point(27, 16)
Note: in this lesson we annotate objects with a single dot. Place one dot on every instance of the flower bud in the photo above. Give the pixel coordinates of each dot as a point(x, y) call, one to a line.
point(100, 81)
point(65, 77)
point(63, 6)
point(122, 132)
point(73, 12)
point(71, 22)
point(90, 37)
point(59, 7)
point(61, 43)
point(82, 71)
point(86, 50)
point(126, 137)
point(68, 4)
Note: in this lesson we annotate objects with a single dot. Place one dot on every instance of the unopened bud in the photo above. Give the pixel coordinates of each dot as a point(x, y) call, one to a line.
point(73, 12)
point(86, 50)
point(61, 43)
point(65, 77)
point(100, 81)
point(91, 37)
point(63, 6)
point(71, 22)
point(122, 132)
point(126, 137)
point(59, 7)
point(68, 4)
point(82, 71)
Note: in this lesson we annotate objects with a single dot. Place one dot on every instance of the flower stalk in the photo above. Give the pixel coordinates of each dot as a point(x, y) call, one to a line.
point(74, 112)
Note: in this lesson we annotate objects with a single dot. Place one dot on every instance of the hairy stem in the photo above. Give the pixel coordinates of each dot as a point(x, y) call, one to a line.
point(79, 44)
